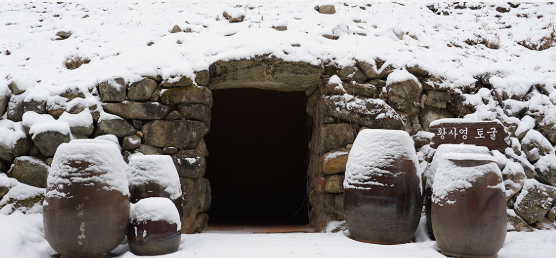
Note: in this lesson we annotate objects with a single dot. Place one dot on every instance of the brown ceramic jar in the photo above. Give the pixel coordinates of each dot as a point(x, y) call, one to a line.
point(383, 200)
point(86, 208)
point(469, 206)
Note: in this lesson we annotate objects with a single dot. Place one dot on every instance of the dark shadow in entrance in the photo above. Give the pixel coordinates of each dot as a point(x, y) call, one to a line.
point(257, 167)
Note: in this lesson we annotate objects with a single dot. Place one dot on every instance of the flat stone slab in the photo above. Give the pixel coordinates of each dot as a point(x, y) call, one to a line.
point(138, 110)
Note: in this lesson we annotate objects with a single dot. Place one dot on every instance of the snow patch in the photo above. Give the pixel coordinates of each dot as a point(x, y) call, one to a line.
point(159, 169)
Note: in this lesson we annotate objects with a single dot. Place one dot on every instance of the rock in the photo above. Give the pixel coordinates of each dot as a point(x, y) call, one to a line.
point(116, 126)
point(22, 197)
point(548, 129)
point(514, 178)
point(535, 145)
point(131, 142)
point(280, 28)
point(169, 150)
point(417, 71)
point(156, 95)
point(48, 161)
point(73, 93)
point(233, 19)
point(4, 100)
point(202, 78)
point(113, 90)
point(372, 113)
point(522, 160)
point(332, 37)
point(179, 133)
point(265, 73)
point(34, 151)
point(29, 170)
point(6, 153)
point(335, 161)
point(201, 221)
point(141, 90)
point(196, 112)
point(138, 110)
point(202, 148)
point(76, 107)
point(48, 141)
point(149, 150)
point(359, 77)
point(173, 82)
point(176, 29)
point(64, 34)
point(427, 115)
point(371, 71)
point(345, 73)
point(404, 95)
point(334, 184)
point(515, 223)
point(190, 163)
point(20, 85)
point(336, 136)
point(551, 214)
point(437, 99)
point(137, 124)
point(81, 123)
point(15, 108)
point(22, 146)
point(326, 9)
point(140, 134)
point(543, 223)
point(174, 115)
point(533, 202)
point(95, 112)
point(80, 137)
point(196, 199)
point(422, 138)
point(457, 107)
point(187, 95)
point(546, 169)
point(355, 89)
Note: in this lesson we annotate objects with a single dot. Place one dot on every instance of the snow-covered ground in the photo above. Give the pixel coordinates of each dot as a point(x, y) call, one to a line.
point(22, 237)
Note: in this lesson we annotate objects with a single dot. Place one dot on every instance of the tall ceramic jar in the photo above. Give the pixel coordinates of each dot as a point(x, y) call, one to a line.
point(383, 195)
point(86, 207)
point(469, 206)
point(155, 227)
point(154, 176)
point(430, 172)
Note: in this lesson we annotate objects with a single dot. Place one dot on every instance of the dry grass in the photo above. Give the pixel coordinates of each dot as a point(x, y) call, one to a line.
point(545, 42)
point(493, 43)
point(75, 62)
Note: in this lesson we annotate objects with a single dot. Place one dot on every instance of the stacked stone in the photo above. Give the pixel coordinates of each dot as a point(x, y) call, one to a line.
point(168, 117)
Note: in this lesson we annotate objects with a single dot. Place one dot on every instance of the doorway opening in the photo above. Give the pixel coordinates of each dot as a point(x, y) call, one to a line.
point(257, 166)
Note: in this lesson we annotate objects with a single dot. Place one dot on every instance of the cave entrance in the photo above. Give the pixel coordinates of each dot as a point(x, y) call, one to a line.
point(258, 160)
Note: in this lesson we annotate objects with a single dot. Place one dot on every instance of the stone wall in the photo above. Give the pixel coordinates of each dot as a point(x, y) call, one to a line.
point(171, 116)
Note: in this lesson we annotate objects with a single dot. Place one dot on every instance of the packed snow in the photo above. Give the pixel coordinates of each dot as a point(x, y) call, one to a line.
point(374, 150)
point(155, 209)
point(106, 166)
point(451, 177)
point(159, 169)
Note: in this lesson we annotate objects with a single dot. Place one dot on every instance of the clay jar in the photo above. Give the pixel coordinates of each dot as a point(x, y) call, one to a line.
point(86, 207)
point(430, 172)
point(383, 199)
point(155, 227)
point(469, 206)
point(154, 176)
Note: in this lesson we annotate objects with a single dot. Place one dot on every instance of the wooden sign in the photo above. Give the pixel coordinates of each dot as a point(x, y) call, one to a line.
point(490, 134)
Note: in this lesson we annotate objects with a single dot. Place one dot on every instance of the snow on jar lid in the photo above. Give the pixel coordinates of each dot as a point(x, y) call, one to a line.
point(155, 209)
point(158, 169)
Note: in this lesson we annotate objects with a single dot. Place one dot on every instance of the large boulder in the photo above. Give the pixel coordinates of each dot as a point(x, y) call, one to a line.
point(141, 90)
point(48, 141)
point(81, 123)
point(114, 125)
point(56, 106)
point(35, 103)
point(190, 163)
point(516, 223)
point(138, 110)
point(113, 90)
point(29, 170)
point(546, 169)
point(202, 78)
point(437, 99)
point(196, 112)
point(404, 91)
point(265, 73)
point(372, 113)
point(15, 107)
point(179, 133)
point(14, 142)
point(533, 202)
point(187, 95)
point(535, 145)
point(335, 161)
point(335, 136)
point(514, 178)
point(24, 198)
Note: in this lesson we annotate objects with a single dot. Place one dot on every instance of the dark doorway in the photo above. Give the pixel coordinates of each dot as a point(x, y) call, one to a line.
point(257, 167)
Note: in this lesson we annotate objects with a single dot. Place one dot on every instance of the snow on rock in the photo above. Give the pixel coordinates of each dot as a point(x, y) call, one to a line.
point(159, 169)
point(527, 123)
point(334, 79)
point(430, 173)
point(22, 197)
point(21, 83)
point(373, 150)
point(514, 176)
point(155, 209)
point(105, 163)
point(451, 177)
point(535, 144)
point(535, 199)
point(546, 169)
point(10, 132)
point(40, 123)
point(401, 75)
